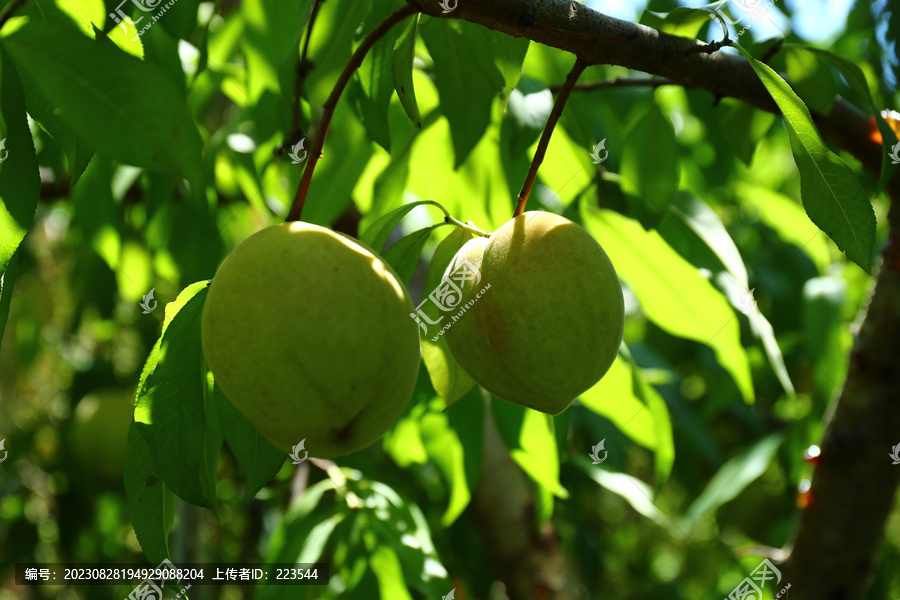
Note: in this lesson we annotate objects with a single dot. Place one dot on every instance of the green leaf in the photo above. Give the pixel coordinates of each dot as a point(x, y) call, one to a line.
point(84, 14)
point(682, 21)
point(831, 193)
point(180, 19)
point(404, 255)
point(735, 475)
point(124, 107)
point(447, 454)
point(7, 285)
point(509, 54)
point(449, 379)
point(787, 217)
point(376, 236)
point(700, 227)
point(170, 410)
point(20, 183)
point(402, 70)
point(614, 398)
point(466, 79)
point(662, 424)
point(671, 291)
point(390, 185)
point(305, 528)
point(257, 458)
point(386, 566)
point(745, 125)
point(530, 438)
point(649, 167)
point(857, 82)
point(271, 43)
point(150, 501)
point(374, 84)
point(637, 493)
point(810, 76)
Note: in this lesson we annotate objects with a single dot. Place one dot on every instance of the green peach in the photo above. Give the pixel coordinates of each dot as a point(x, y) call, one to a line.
point(308, 334)
point(550, 322)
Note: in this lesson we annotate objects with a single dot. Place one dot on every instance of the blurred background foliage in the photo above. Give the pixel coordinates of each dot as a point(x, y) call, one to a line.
point(710, 468)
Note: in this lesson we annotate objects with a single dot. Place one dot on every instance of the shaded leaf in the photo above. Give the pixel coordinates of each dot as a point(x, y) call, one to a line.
point(150, 500)
point(257, 458)
point(682, 21)
point(402, 69)
point(649, 167)
point(404, 255)
point(466, 79)
point(735, 475)
point(124, 107)
point(376, 236)
point(20, 183)
point(170, 404)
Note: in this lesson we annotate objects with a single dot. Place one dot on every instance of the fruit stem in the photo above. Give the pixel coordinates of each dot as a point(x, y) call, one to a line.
point(331, 103)
point(564, 92)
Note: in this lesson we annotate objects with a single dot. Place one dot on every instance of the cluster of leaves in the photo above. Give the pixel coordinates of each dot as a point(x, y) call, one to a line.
point(166, 145)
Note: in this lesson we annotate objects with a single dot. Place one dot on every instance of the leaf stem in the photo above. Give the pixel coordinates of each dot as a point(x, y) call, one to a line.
point(331, 103)
point(448, 218)
point(564, 92)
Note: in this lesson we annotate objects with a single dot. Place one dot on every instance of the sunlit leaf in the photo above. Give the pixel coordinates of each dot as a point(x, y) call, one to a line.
point(671, 291)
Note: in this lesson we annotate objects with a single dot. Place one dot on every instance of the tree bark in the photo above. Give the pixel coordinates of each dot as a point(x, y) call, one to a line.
point(528, 560)
point(855, 483)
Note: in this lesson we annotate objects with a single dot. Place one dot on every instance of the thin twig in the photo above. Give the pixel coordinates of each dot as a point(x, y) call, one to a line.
point(331, 103)
point(573, 76)
point(621, 82)
point(8, 11)
point(772, 51)
point(705, 48)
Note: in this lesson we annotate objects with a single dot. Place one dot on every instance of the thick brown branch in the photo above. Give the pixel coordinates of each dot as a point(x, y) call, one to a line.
point(331, 103)
point(599, 39)
point(558, 106)
point(854, 485)
point(621, 82)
